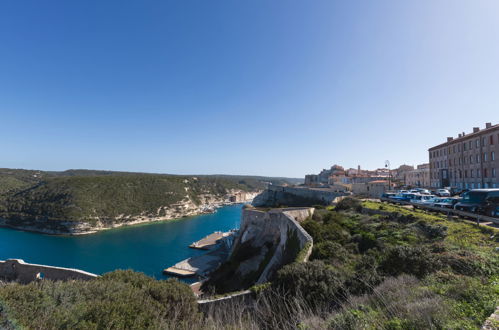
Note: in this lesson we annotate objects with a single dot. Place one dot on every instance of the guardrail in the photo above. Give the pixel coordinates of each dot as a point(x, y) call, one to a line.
point(476, 217)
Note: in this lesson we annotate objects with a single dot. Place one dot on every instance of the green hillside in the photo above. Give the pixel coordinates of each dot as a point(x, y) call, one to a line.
point(85, 195)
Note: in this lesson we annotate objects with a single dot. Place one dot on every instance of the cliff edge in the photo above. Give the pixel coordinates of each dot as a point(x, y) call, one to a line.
point(267, 241)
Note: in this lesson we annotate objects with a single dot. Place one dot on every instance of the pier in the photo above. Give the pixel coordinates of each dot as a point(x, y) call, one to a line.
point(210, 241)
point(218, 244)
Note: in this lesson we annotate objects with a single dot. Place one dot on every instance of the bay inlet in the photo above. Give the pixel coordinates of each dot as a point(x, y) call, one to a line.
point(147, 248)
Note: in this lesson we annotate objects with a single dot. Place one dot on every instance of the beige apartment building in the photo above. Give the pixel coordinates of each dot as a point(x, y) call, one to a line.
point(469, 161)
point(418, 177)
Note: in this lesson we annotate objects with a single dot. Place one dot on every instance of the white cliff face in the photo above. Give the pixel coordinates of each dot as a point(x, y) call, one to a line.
point(275, 238)
point(206, 203)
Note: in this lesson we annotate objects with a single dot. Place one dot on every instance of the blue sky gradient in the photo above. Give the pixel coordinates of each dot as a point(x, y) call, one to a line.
point(281, 87)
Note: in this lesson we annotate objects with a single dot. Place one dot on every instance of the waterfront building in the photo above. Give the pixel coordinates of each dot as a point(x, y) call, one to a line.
point(469, 161)
point(418, 177)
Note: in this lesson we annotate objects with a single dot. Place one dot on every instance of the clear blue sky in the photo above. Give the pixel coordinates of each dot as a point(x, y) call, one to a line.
point(241, 87)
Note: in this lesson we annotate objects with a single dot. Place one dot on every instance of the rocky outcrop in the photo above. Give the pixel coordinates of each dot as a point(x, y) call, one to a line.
point(205, 203)
point(278, 196)
point(266, 241)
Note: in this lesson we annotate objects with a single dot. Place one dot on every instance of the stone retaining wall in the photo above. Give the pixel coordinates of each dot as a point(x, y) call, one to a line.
point(18, 271)
point(275, 196)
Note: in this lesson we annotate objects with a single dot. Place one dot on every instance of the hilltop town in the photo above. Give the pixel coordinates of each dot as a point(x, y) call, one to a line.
point(463, 163)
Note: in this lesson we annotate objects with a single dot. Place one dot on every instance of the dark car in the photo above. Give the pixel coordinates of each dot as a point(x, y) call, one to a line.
point(491, 207)
point(405, 197)
point(478, 201)
point(388, 195)
point(447, 203)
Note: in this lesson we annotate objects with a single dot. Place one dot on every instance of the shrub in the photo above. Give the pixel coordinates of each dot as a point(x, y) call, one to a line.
point(348, 203)
point(331, 252)
point(314, 282)
point(366, 275)
point(365, 241)
point(417, 261)
point(122, 299)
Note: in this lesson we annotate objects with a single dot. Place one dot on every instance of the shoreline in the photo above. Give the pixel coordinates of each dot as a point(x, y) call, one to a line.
point(96, 229)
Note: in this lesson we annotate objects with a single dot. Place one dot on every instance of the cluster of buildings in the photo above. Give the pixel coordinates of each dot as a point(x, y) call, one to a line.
point(469, 161)
point(372, 183)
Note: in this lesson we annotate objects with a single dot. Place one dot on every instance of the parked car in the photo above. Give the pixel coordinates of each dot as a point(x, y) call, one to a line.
point(491, 207)
point(442, 193)
point(447, 203)
point(405, 197)
point(388, 195)
point(423, 199)
point(479, 201)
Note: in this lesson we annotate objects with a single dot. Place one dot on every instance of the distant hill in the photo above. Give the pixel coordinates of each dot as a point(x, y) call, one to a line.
point(95, 196)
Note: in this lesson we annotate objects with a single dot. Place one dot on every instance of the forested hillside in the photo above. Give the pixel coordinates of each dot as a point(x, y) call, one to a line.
point(85, 195)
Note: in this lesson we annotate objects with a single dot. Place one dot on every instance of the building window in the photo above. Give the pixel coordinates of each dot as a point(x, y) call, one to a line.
point(491, 139)
point(471, 144)
point(478, 173)
point(485, 173)
point(465, 174)
point(493, 172)
point(464, 146)
point(483, 141)
point(477, 143)
point(471, 159)
point(493, 156)
point(477, 158)
point(472, 173)
point(484, 156)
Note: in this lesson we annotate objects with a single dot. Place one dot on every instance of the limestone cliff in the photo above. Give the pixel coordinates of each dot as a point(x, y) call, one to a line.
point(204, 203)
point(266, 241)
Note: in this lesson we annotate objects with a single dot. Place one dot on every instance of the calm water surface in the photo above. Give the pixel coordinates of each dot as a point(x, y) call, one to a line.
point(147, 248)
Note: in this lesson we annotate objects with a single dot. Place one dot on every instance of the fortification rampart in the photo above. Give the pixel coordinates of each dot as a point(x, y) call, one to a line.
point(19, 271)
point(276, 196)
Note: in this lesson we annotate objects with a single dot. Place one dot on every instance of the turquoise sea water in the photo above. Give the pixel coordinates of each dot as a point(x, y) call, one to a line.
point(147, 248)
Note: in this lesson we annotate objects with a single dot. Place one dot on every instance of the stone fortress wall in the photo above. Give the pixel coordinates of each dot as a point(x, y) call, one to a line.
point(276, 196)
point(17, 270)
point(275, 233)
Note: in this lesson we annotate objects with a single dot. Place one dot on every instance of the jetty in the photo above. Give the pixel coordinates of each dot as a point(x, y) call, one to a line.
point(209, 242)
point(218, 245)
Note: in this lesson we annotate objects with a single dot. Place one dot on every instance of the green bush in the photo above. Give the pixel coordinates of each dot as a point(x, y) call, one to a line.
point(313, 282)
point(412, 260)
point(330, 252)
point(348, 203)
point(120, 300)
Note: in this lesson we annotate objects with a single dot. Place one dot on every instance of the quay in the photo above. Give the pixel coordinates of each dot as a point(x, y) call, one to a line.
point(199, 265)
point(218, 244)
point(210, 241)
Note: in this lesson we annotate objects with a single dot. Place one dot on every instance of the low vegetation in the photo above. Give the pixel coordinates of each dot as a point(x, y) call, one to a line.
point(378, 266)
point(373, 266)
point(118, 300)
